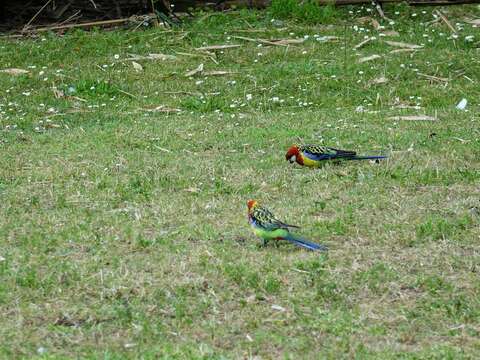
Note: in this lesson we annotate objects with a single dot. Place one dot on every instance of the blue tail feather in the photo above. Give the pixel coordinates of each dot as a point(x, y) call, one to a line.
point(299, 241)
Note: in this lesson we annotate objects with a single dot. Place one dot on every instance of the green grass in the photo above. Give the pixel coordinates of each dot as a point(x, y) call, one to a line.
point(123, 231)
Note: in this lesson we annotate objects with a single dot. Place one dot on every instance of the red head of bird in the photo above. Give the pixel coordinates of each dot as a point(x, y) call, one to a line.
point(251, 204)
point(293, 154)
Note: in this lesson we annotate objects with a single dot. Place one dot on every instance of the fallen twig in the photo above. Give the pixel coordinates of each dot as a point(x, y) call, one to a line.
point(364, 42)
point(413, 118)
point(218, 47)
point(35, 16)
point(378, 6)
point(262, 41)
point(396, 51)
point(434, 78)
point(445, 20)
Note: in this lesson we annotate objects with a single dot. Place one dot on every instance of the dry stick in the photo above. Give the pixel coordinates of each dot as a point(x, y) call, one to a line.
point(70, 18)
point(127, 93)
point(94, 5)
point(262, 41)
point(431, 77)
point(445, 20)
point(378, 6)
point(359, 45)
point(94, 23)
point(38, 12)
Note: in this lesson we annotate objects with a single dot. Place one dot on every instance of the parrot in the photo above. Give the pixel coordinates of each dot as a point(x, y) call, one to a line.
point(266, 226)
point(315, 155)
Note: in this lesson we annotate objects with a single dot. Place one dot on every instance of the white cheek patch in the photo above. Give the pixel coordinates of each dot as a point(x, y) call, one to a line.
point(293, 159)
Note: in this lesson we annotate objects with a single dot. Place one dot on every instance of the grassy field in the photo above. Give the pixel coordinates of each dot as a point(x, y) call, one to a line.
point(123, 229)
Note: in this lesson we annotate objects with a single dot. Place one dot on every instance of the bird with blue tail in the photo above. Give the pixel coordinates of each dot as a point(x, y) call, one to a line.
point(316, 155)
point(267, 227)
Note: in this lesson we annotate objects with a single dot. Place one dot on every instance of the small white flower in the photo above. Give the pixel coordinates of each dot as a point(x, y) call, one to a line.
point(304, 52)
point(116, 56)
point(41, 73)
point(249, 97)
point(275, 99)
point(469, 38)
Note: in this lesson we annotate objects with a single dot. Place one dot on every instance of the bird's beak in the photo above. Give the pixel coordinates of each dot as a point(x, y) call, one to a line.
point(292, 159)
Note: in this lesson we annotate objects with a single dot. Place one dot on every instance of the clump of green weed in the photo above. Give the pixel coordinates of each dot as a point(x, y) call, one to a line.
point(309, 11)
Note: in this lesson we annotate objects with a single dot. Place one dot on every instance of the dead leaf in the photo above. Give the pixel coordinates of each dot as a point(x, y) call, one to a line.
point(161, 57)
point(368, 19)
point(50, 125)
point(413, 118)
point(162, 108)
point(390, 33)
point(217, 47)
point(402, 44)
point(379, 80)
point(473, 21)
point(137, 66)
point(327, 38)
point(14, 71)
point(369, 58)
point(278, 308)
point(192, 190)
point(58, 93)
point(199, 69)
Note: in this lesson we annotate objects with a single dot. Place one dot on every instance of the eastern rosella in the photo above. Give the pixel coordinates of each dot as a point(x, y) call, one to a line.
point(266, 226)
point(315, 155)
